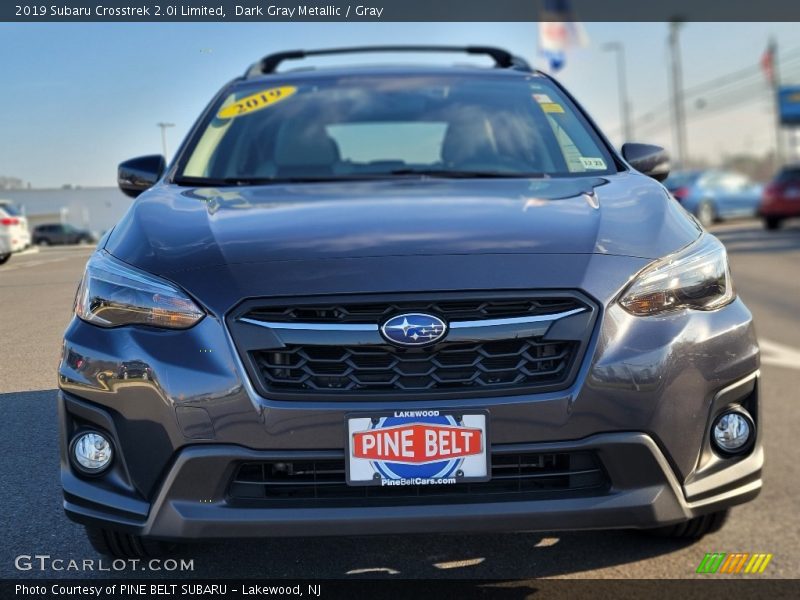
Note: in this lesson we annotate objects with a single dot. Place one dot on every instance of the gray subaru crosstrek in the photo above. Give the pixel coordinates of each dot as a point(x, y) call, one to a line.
point(373, 300)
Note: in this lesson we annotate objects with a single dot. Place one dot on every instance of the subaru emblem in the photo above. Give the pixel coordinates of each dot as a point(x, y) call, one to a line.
point(414, 329)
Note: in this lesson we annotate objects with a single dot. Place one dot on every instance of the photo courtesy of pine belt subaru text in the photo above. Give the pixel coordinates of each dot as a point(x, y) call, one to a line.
point(396, 299)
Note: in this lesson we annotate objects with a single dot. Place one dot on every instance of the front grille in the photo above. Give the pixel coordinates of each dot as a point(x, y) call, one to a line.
point(515, 476)
point(377, 312)
point(446, 366)
point(330, 348)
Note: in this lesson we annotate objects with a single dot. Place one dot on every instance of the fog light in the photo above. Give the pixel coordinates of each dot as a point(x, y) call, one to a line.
point(91, 452)
point(732, 432)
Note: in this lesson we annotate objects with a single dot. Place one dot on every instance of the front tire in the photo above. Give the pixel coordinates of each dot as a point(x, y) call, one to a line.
point(43, 242)
point(4, 258)
point(693, 529)
point(772, 223)
point(126, 545)
point(706, 213)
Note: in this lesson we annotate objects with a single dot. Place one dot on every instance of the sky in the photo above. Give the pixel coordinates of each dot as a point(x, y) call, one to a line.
point(78, 98)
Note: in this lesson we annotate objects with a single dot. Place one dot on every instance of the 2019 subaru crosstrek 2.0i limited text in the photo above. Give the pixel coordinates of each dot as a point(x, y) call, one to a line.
point(404, 299)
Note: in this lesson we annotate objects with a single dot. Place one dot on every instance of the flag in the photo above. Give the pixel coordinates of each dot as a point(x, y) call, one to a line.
point(556, 37)
point(768, 61)
point(558, 32)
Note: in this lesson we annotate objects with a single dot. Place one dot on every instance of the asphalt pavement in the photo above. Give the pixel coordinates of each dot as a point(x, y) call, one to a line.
point(36, 295)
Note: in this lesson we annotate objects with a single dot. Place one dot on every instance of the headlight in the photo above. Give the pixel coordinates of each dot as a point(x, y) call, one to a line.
point(696, 277)
point(113, 294)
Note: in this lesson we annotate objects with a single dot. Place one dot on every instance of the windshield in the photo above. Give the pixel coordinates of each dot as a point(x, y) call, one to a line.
point(368, 127)
point(10, 209)
point(681, 179)
point(788, 174)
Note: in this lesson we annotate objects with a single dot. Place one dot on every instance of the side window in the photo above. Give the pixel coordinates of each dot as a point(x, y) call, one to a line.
point(10, 210)
point(733, 182)
point(407, 142)
point(709, 181)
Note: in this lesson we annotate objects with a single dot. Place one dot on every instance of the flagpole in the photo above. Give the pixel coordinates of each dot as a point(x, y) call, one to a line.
point(624, 104)
point(776, 87)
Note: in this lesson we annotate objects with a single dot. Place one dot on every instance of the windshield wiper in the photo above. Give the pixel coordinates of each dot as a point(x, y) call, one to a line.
point(243, 181)
point(448, 173)
point(436, 173)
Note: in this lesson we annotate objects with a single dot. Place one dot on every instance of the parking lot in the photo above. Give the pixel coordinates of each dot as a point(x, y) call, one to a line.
point(36, 293)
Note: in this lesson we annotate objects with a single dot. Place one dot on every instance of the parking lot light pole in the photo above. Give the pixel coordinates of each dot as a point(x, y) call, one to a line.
point(775, 82)
point(624, 104)
point(679, 119)
point(163, 127)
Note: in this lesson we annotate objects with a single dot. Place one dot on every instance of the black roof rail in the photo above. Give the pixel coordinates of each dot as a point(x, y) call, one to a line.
point(502, 58)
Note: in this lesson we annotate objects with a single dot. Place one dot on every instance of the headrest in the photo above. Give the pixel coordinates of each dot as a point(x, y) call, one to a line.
point(305, 145)
point(468, 140)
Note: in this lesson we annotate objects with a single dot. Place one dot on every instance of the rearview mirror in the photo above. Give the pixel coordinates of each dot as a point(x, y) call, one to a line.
point(136, 175)
point(649, 160)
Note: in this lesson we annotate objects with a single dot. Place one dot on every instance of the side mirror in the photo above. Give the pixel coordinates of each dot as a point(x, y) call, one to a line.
point(650, 160)
point(136, 175)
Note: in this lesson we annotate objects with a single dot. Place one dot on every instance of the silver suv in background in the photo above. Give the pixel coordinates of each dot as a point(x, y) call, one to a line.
point(14, 234)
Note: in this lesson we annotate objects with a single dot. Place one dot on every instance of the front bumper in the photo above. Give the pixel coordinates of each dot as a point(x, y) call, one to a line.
point(781, 208)
point(19, 242)
point(192, 502)
point(183, 414)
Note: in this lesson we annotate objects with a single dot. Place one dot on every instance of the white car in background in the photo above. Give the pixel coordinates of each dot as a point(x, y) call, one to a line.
point(14, 234)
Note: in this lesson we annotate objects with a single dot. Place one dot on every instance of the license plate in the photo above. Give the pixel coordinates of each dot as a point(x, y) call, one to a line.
point(417, 447)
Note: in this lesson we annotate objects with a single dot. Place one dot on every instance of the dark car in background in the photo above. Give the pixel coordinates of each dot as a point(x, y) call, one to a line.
point(51, 234)
point(781, 198)
point(404, 299)
point(712, 195)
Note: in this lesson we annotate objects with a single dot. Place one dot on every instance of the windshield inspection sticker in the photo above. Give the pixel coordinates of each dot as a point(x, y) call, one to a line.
point(256, 101)
point(593, 163)
point(551, 107)
point(547, 104)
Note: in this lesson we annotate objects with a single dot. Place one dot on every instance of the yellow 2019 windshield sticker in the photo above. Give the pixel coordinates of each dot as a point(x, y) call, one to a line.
point(256, 101)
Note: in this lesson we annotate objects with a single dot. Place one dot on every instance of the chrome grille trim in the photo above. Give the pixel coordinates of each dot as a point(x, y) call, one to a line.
point(332, 327)
point(345, 327)
point(515, 320)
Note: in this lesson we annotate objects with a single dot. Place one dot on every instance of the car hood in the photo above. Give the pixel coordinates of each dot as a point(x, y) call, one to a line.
point(172, 228)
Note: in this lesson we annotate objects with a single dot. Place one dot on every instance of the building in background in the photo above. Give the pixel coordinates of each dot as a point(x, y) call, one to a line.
point(12, 183)
point(95, 209)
